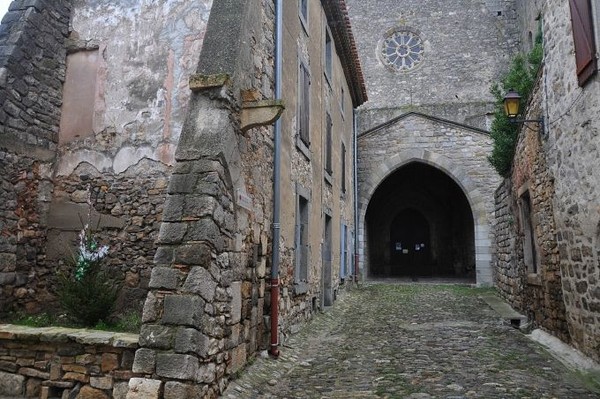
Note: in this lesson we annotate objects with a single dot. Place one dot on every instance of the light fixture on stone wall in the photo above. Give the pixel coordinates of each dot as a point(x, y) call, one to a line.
point(512, 103)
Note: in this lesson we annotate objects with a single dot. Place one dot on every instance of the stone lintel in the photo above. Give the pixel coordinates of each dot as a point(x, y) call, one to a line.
point(260, 113)
point(199, 82)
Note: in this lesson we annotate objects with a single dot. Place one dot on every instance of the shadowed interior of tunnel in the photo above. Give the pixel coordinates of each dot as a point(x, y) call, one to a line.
point(419, 224)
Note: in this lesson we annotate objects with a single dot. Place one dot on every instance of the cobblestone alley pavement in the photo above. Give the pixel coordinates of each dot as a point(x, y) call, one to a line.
point(409, 341)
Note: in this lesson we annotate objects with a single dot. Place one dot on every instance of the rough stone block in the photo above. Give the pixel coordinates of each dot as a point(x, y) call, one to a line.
point(171, 233)
point(177, 390)
point(143, 388)
point(11, 384)
point(236, 302)
point(183, 310)
point(87, 392)
point(145, 361)
point(70, 376)
point(151, 308)
point(181, 367)
point(156, 336)
point(173, 208)
point(206, 230)
point(200, 281)
point(164, 277)
point(206, 374)
point(120, 390)
point(163, 256)
point(191, 340)
point(193, 254)
point(182, 184)
point(105, 382)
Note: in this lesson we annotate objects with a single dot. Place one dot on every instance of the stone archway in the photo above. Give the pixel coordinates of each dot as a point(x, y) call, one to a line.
point(454, 171)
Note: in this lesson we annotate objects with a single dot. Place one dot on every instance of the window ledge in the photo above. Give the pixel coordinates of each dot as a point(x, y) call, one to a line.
point(300, 288)
point(534, 279)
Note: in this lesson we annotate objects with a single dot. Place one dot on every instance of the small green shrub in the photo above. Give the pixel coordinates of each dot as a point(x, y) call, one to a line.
point(521, 77)
point(87, 300)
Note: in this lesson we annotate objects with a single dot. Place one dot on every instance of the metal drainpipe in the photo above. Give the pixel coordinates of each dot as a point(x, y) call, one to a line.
point(355, 171)
point(274, 348)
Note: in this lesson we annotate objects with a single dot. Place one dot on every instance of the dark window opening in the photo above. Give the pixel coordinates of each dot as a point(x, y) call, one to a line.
point(302, 240)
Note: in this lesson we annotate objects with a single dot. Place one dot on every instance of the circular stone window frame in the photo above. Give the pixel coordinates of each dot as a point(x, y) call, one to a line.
point(388, 33)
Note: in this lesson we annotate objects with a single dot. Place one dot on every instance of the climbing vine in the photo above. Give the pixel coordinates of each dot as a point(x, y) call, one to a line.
point(520, 77)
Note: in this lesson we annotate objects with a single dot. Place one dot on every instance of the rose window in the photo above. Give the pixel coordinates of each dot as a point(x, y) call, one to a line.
point(402, 50)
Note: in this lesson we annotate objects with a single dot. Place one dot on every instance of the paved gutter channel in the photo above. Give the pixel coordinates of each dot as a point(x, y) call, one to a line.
point(415, 341)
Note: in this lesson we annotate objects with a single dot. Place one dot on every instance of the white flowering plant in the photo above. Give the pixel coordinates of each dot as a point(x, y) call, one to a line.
point(89, 253)
point(85, 290)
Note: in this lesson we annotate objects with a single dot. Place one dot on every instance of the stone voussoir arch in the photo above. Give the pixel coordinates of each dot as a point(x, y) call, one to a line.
point(459, 175)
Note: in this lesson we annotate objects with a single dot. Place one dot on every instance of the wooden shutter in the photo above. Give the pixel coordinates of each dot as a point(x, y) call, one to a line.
point(343, 168)
point(304, 100)
point(329, 144)
point(583, 36)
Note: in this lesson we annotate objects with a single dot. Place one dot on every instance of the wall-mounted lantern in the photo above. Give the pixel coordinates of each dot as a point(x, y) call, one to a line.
point(512, 103)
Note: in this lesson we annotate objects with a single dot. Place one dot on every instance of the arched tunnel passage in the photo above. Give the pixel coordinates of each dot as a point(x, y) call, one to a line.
point(419, 224)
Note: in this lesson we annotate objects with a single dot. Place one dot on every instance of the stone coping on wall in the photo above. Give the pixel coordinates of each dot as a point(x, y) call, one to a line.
point(64, 335)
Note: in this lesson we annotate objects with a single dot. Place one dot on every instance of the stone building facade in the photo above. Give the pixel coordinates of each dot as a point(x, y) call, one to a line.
point(548, 262)
point(428, 69)
point(145, 123)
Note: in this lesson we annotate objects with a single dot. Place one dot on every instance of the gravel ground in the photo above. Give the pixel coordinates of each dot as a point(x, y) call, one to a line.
point(414, 341)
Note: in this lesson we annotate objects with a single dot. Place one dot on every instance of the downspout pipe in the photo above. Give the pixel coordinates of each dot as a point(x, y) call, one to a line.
point(355, 187)
point(274, 348)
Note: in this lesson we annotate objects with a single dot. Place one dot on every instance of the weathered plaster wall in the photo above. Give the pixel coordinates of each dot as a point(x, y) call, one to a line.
point(32, 69)
point(462, 58)
point(457, 151)
point(125, 99)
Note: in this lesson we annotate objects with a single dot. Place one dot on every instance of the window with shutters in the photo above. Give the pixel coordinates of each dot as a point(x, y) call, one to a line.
point(583, 37)
point(328, 144)
point(303, 14)
point(304, 103)
point(328, 55)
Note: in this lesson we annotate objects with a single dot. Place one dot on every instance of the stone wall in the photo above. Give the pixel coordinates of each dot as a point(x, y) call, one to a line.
point(60, 362)
point(203, 317)
point(32, 70)
point(461, 57)
point(458, 151)
point(561, 169)
point(539, 294)
point(571, 150)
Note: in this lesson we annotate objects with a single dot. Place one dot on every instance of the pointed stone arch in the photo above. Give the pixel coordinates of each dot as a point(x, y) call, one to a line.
point(459, 175)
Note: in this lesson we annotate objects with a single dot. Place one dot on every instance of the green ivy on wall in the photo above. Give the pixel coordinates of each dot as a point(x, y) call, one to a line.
point(520, 77)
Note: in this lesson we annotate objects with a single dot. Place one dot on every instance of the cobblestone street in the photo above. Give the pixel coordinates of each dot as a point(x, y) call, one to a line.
point(409, 341)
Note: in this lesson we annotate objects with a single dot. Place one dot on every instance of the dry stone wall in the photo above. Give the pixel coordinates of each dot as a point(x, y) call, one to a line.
point(572, 157)
point(32, 70)
point(562, 168)
point(538, 295)
point(60, 362)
